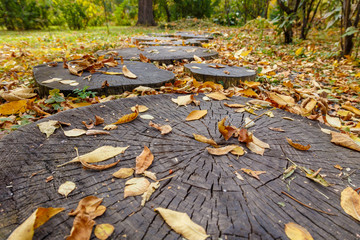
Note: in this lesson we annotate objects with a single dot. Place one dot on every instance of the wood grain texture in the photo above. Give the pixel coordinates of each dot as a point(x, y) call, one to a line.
point(187, 35)
point(227, 76)
point(189, 42)
point(147, 75)
point(205, 186)
point(151, 39)
point(163, 54)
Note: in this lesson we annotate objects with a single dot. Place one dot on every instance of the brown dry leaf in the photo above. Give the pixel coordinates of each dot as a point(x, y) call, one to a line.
point(82, 226)
point(127, 73)
point(110, 127)
point(203, 139)
point(75, 132)
point(282, 100)
point(48, 127)
point(297, 232)
point(128, 117)
point(226, 131)
point(310, 105)
point(297, 145)
point(110, 73)
point(143, 58)
point(90, 203)
point(333, 121)
point(98, 120)
point(221, 151)
point(142, 108)
point(96, 132)
point(352, 109)
point(164, 129)
point(144, 160)
point(151, 189)
point(182, 224)
point(344, 140)
point(18, 94)
point(350, 202)
point(98, 167)
point(124, 173)
point(217, 96)
point(103, 231)
point(197, 59)
point(252, 173)
point(13, 107)
point(196, 115)
point(100, 154)
point(66, 188)
point(235, 105)
point(238, 151)
point(26, 230)
point(337, 166)
point(136, 186)
point(260, 103)
point(90, 125)
point(185, 100)
point(255, 148)
point(277, 129)
point(244, 135)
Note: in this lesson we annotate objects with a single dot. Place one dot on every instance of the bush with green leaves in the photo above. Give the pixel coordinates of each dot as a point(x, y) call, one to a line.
point(126, 13)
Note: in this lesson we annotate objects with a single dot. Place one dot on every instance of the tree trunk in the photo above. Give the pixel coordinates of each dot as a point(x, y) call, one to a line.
point(145, 15)
point(288, 34)
point(347, 44)
point(166, 7)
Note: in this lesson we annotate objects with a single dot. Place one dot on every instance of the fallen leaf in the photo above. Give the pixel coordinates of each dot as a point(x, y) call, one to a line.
point(327, 131)
point(141, 108)
point(238, 151)
point(18, 94)
point(182, 224)
point(143, 58)
point(66, 188)
point(127, 73)
point(185, 100)
point(75, 132)
point(150, 175)
point(51, 80)
point(48, 127)
point(249, 122)
point(239, 176)
point(309, 106)
point(196, 115)
point(248, 93)
point(100, 154)
point(111, 73)
point(103, 231)
point(282, 100)
point(235, 105)
point(147, 116)
point(297, 145)
point(337, 166)
point(98, 167)
point(221, 151)
point(315, 176)
point(352, 109)
point(144, 160)
point(259, 142)
point(49, 178)
point(68, 82)
point(252, 173)
point(128, 117)
point(217, 96)
point(255, 148)
point(197, 59)
point(98, 120)
point(26, 230)
point(90, 205)
point(260, 103)
point(226, 131)
point(288, 118)
point(82, 226)
point(151, 189)
point(124, 173)
point(344, 140)
point(164, 129)
point(13, 107)
point(90, 125)
point(110, 127)
point(297, 232)
point(277, 129)
point(333, 121)
point(135, 187)
point(96, 132)
point(289, 171)
point(350, 202)
point(203, 139)
point(216, 66)
point(252, 84)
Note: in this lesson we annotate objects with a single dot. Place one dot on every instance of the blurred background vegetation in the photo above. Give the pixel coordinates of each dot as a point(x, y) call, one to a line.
point(284, 15)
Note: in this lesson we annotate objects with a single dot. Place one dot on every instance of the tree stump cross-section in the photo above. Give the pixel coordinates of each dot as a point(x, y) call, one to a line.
point(162, 54)
point(225, 75)
point(204, 186)
point(147, 75)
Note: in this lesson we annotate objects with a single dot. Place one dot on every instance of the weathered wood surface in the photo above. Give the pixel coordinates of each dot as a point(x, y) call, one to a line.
point(205, 186)
point(188, 42)
point(225, 75)
point(151, 39)
point(186, 35)
point(147, 75)
point(162, 54)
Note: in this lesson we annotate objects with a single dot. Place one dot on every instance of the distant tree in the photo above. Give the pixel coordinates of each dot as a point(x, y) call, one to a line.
point(308, 7)
point(350, 21)
point(145, 13)
point(287, 15)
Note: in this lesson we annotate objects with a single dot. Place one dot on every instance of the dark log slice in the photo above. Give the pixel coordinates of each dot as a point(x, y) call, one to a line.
point(226, 75)
point(162, 54)
point(186, 35)
point(147, 75)
point(204, 186)
point(151, 39)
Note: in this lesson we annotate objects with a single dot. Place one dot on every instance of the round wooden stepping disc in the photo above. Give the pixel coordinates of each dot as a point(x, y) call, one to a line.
point(151, 39)
point(163, 54)
point(204, 186)
point(186, 35)
point(147, 75)
point(225, 75)
point(190, 42)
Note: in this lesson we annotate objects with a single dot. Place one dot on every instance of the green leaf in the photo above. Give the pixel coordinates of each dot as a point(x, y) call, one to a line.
point(316, 177)
point(289, 171)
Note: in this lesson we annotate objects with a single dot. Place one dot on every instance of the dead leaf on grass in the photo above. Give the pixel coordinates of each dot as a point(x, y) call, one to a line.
point(13, 107)
point(196, 115)
point(333, 121)
point(144, 160)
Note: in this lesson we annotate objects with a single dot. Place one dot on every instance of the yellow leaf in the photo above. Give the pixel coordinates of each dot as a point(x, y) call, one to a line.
point(196, 115)
point(344, 140)
point(127, 73)
point(103, 231)
point(98, 155)
point(124, 173)
point(238, 151)
point(252, 84)
point(297, 232)
point(350, 202)
point(66, 188)
point(309, 106)
point(226, 131)
point(217, 96)
point(203, 139)
point(357, 75)
point(142, 108)
point(13, 107)
point(75, 132)
point(136, 186)
point(221, 151)
point(248, 93)
point(26, 230)
point(352, 109)
point(299, 51)
point(48, 127)
point(151, 189)
point(333, 121)
point(182, 224)
point(128, 117)
point(282, 100)
point(80, 104)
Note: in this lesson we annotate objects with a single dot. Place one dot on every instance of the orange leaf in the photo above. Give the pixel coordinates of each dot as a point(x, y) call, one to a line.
point(144, 160)
point(196, 115)
point(164, 129)
point(226, 131)
point(252, 84)
point(127, 73)
point(128, 117)
point(282, 100)
point(89, 203)
point(143, 58)
point(82, 226)
point(344, 140)
point(352, 109)
point(248, 93)
point(203, 139)
point(297, 145)
point(252, 173)
point(13, 107)
point(98, 120)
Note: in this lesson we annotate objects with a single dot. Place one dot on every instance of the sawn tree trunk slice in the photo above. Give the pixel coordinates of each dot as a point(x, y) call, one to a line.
point(162, 54)
point(147, 75)
point(151, 39)
point(226, 75)
point(188, 42)
point(204, 186)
